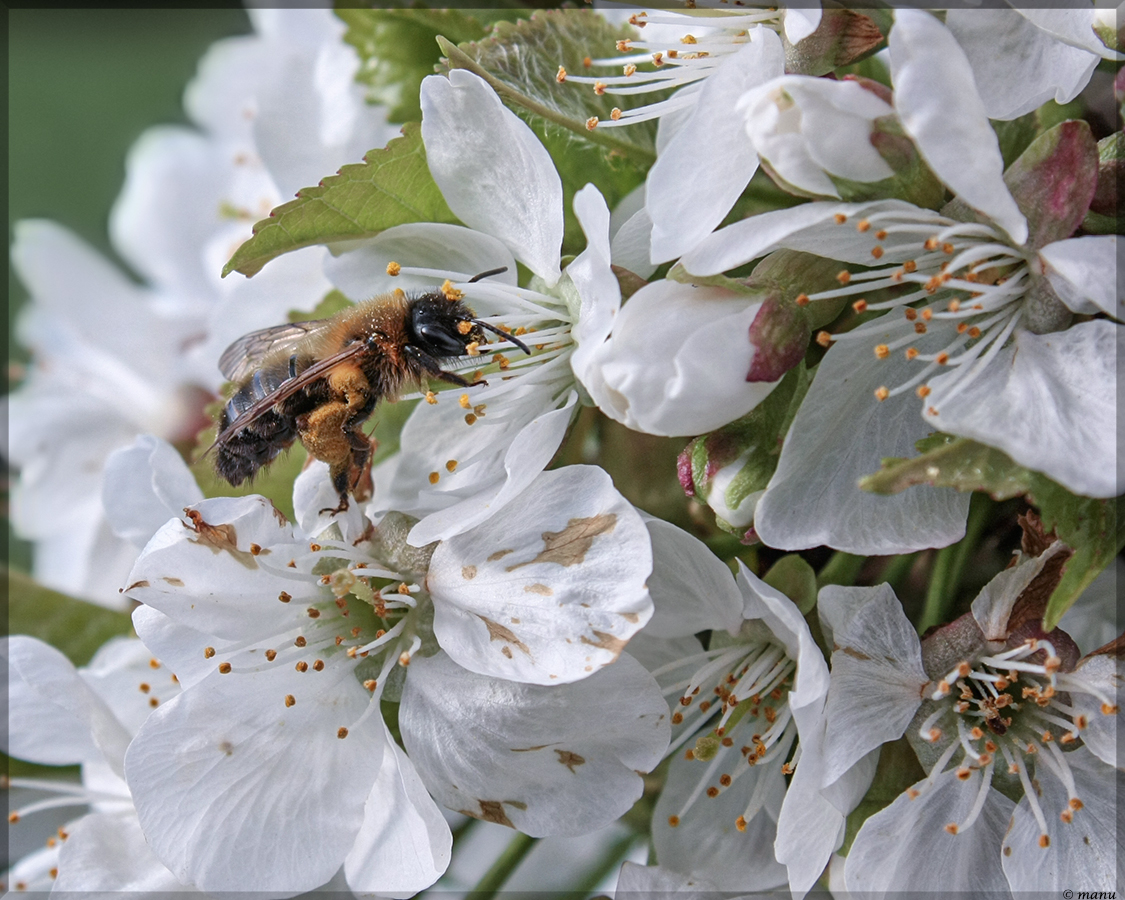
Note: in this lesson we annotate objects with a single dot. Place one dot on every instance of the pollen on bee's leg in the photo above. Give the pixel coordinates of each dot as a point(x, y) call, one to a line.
point(431, 398)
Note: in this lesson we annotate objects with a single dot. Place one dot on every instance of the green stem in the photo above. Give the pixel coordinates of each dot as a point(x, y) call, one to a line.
point(843, 568)
point(501, 870)
point(940, 592)
point(950, 563)
point(897, 569)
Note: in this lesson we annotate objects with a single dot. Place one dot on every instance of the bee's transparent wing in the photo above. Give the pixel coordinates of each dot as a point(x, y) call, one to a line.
point(244, 356)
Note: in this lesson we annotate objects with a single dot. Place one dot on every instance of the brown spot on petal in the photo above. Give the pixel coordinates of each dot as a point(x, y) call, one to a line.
point(175, 582)
point(631, 617)
point(497, 632)
point(136, 584)
point(538, 589)
point(499, 554)
point(468, 572)
point(570, 546)
point(490, 811)
point(855, 654)
point(219, 538)
point(605, 641)
point(570, 759)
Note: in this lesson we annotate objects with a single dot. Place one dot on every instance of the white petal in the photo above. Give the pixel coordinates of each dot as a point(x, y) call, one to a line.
point(1089, 850)
point(550, 591)
point(212, 582)
point(703, 385)
point(706, 841)
point(1049, 401)
point(236, 790)
point(597, 285)
point(631, 241)
point(691, 588)
point(949, 125)
point(109, 853)
point(506, 460)
point(39, 728)
point(359, 270)
point(840, 434)
point(687, 199)
point(1073, 26)
point(1104, 673)
point(1016, 66)
point(404, 844)
point(492, 170)
point(877, 674)
point(146, 484)
point(528, 756)
point(905, 847)
point(59, 715)
point(1082, 270)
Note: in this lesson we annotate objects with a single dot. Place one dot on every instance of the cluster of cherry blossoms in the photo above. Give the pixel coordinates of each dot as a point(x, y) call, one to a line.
point(785, 557)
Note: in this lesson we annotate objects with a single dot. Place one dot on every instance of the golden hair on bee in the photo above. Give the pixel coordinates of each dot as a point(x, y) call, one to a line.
point(319, 381)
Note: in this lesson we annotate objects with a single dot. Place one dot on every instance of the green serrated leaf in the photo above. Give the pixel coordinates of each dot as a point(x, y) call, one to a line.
point(521, 61)
point(1094, 528)
point(392, 186)
point(398, 48)
point(75, 627)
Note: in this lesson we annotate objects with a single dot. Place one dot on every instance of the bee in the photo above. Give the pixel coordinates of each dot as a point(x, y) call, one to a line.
point(319, 381)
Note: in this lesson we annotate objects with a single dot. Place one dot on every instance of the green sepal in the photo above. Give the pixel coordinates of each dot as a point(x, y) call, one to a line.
point(521, 61)
point(73, 626)
point(796, 579)
point(842, 38)
point(392, 186)
point(1092, 527)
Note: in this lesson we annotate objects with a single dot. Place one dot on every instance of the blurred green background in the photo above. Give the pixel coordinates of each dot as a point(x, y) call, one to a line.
point(82, 86)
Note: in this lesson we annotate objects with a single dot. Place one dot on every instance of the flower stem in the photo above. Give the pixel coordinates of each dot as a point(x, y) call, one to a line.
point(950, 563)
point(499, 872)
point(897, 569)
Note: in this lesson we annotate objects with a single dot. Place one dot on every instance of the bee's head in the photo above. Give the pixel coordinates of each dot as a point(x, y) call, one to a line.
point(441, 327)
point(444, 327)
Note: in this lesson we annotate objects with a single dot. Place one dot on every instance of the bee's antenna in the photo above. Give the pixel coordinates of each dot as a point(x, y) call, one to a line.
point(488, 274)
point(508, 337)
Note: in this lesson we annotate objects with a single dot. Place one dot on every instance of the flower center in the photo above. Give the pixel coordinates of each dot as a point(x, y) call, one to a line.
point(957, 280)
point(1014, 705)
point(747, 687)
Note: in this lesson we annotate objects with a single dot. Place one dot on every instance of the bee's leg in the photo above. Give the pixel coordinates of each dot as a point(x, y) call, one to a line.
point(434, 370)
point(329, 432)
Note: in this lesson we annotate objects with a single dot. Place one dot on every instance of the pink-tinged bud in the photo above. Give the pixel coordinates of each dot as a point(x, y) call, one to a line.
point(780, 334)
point(730, 468)
point(1054, 181)
point(879, 89)
point(842, 38)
